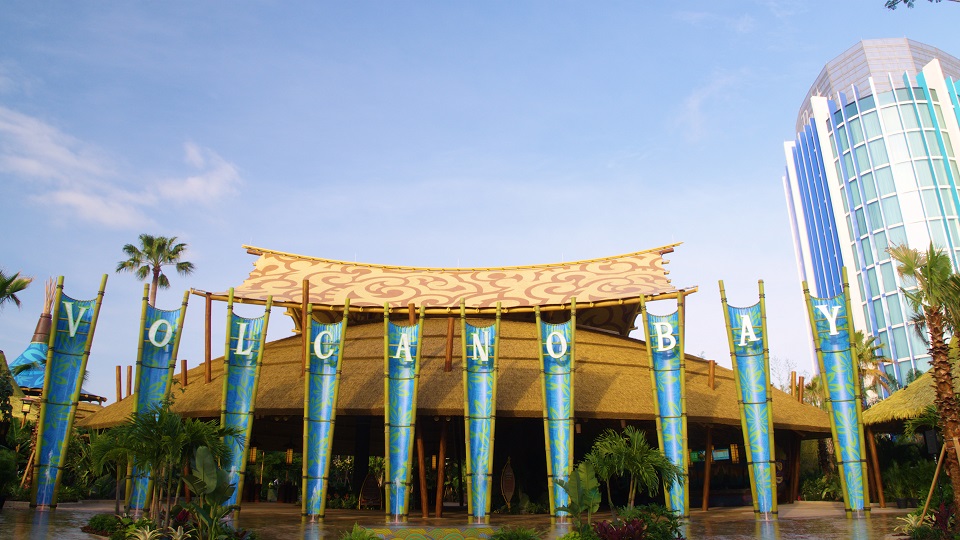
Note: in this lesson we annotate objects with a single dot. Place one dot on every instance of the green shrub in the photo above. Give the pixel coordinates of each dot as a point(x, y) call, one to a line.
point(517, 533)
point(69, 494)
point(659, 523)
point(8, 471)
point(103, 524)
point(358, 533)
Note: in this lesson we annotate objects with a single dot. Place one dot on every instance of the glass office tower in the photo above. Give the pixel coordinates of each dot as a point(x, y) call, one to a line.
point(874, 165)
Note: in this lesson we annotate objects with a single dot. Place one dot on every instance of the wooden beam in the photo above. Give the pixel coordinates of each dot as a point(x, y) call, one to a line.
point(183, 373)
point(795, 470)
point(206, 339)
point(424, 504)
point(412, 313)
point(800, 392)
point(129, 380)
point(877, 477)
point(448, 362)
point(711, 374)
point(119, 384)
point(441, 469)
point(707, 460)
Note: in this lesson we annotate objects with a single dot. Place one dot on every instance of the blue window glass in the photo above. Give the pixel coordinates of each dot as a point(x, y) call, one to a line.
point(891, 210)
point(873, 283)
point(843, 197)
point(885, 183)
point(909, 117)
point(850, 109)
point(866, 103)
point(867, 252)
point(844, 143)
point(879, 153)
point(855, 193)
point(925, 119)
point(924, 173)
point(889, 283)
point(923, 364)
point(891, 119)
point(919, 344)
point(848, 165)
point(932, 145)
point(946, 143)
point(903, 94)
point(937, 233)
point(856, 132)
point(946, 196)
point(930, 205)
point(896, 236)
point(880, 240)
point(862, 160)
point(885, 98)
point(941, 172)
point(893, 308)
point(916, 144)
point(869, 189)
point(861, 221)
point(878, 311)
point(900, 341)
point(876, 218)
point(939, 114)
point(871, 124)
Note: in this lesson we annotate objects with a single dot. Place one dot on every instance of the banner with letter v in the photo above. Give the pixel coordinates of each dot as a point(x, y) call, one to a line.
point(664, 335)
point(832, 326)
point(747, 335)
point(241, 375)
point(68, 349)
point(156, 358)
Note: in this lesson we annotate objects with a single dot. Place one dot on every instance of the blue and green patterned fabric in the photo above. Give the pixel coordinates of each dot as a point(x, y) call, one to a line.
point(667, 371)
point(749, 343)
point(35, 355)
point(71, 330)
point(324, 378)
point(481, 406)
point(159, 337)
point(241, 373)
point(556, 352)
point(402, 373)
point(832, 328)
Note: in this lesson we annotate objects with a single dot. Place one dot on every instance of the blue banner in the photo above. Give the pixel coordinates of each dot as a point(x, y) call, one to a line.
point(402, 366)
point(323, 381)
point(74, 322)
point(241, 373)
point(832, 330)
point(665, 348)
point(480, 384)
point(748, 342)
point(557, 358)
point(159, 342)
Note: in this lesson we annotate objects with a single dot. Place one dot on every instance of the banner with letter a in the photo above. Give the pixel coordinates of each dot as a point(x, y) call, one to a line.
point(401, 366)
point(747, 335)
point(156, 359)
point(556, 361)
point(668, 373)
point(321, 386)
point(241, 375)
point(480, 352)
point(67, 351)
point(832, 326)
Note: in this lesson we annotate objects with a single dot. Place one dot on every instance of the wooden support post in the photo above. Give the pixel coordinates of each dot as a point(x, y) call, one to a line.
point(800, 392)
point(304, 323)
point(424, 504)
point(412, 313)
point(711, 374)
point(793, 383)
point(129, 380)
point(448, 362)
point(707, 460)
point(183, 373)
point(877, 477)
point(441, 469)
point(119, 384)
point(795, 472)
point(206, 340)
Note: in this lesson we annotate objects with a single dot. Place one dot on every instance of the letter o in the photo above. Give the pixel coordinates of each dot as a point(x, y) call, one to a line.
point(550, 345)
point(155, 327)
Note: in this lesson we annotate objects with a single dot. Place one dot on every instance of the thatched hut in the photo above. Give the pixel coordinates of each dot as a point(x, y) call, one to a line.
point(612, 377)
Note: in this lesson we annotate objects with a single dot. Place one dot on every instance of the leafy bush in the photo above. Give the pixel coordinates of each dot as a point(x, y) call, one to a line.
point(660, 523)
point(69, 494)
point(358, 533)
point(517, 533)
point(8, 470)
point(821, 488)
point(102, 524)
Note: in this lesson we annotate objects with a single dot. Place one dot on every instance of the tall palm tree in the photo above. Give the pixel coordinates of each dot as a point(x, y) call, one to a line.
point(151, 256)
point(869, 354)
point(10, 286)
point(933, 292)
point(607, 459)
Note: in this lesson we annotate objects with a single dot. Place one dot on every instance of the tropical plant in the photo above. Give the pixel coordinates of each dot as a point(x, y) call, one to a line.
point(630, 454)
point(910, 522)
point(517, 533)
point(151, 256)
point(659, 522)
point(213, 489)
point(607, 461)
point(869, 355)
point(8, 471)
point(358, 533)
point(932, 291)
point(583, 493)
point(10, 286)
point(110, 453)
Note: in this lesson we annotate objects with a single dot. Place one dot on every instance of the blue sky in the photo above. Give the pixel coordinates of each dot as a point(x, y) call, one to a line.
point(397, 132)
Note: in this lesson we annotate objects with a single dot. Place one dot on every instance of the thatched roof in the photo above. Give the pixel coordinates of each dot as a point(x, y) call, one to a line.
point(612, 381)
point(607, 290)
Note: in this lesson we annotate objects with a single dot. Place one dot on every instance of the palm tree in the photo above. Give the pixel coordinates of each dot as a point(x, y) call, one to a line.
point(869, 354)
point(649, 468)
point(607, 459)
point(10, 286)
point(148, 260)
point(933, 292)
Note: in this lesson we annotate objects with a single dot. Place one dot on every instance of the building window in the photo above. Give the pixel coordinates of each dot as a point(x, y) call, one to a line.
point(891, 210)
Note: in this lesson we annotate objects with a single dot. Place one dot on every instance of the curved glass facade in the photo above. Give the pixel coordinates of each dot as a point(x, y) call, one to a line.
point(872, 169)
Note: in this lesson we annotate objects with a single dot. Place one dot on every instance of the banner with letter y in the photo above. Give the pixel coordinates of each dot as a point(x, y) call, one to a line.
point(664, 335)
point(67, 351)
point(747, 335)
point(832, 326)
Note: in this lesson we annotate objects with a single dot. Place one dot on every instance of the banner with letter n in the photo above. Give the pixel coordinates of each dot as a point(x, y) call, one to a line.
point(557, 354)
point(241, 375)
point(832, 326)
point(480, 352)
point(323, 346)
point(401, 366)
point(156, 359)
point(747, 335)
point(664, 335)
point(67, 352)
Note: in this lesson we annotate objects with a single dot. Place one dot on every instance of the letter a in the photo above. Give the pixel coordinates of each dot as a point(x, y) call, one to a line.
point(664, 333)
point(831, 317)
point(481, 349)
point(240, 341)
point(73, 324)
point(404, 347)
point(746, 330)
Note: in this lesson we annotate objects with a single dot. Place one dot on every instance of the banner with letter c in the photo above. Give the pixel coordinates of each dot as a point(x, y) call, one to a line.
point(156, 359)
point(74, 322)
point(747, 335)
point(557, 347)
point(832, 326)
point(664, 335)
point(321, 387)
point(241, 375)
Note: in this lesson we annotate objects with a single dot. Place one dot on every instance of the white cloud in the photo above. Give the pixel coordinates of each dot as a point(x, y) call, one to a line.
point(216, 178)
point(692, 117)
point(79, 181)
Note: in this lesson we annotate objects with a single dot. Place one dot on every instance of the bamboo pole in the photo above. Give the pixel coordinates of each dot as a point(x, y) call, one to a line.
point(306, 332)
point(933, 485)
point(387, 462)
point(681, 318)
point(176, 346)
point(421, 464)
point(207, 350)
point(129, 380)
point(305, 318)
point(136, 403)
point(466, 402)
point(441, 468)
point(711, 374)
point(119, 384)
point(793, 383)
point(708, 460)
point(800, 388)
point(448, 362)
point(546, 422)
point(771, 458)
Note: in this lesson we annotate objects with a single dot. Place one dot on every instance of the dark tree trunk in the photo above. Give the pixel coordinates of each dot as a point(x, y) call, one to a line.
point(946, 399)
